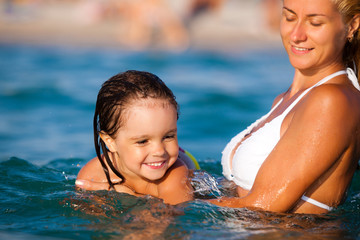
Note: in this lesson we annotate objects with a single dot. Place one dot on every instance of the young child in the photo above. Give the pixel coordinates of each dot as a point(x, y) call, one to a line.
point(135, 134)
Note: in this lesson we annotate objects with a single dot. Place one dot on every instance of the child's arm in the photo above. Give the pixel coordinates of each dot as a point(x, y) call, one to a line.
point(176, 188)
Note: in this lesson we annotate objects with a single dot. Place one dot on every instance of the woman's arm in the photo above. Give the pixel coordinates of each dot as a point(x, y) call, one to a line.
point(313, 138)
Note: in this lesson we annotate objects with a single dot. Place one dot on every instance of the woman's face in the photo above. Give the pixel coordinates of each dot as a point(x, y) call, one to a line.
point(313, 34)
point(146, 144)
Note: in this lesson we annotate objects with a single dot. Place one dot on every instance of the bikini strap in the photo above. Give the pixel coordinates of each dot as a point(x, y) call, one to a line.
point(316, 203)
point(331, 76)
point(322, 81)
point(352, 76)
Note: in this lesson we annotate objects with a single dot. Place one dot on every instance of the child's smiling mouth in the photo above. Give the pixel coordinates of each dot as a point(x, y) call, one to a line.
point(155, 165)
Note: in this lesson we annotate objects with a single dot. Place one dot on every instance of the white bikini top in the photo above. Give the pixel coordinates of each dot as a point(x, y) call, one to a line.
point(253, 151)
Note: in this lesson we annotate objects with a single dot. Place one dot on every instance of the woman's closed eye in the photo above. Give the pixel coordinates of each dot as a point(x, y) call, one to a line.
point(289, 17)
point(316, 22)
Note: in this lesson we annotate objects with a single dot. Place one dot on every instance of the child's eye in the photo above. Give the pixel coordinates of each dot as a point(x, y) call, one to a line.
point(142, 142)
point(170, 136)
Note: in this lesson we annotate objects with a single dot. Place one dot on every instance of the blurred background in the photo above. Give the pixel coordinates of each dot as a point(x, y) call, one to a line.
point(222, 58)
point(141, 24)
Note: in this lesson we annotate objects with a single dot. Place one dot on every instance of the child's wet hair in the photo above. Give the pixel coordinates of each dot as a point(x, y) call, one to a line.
point(115, 96)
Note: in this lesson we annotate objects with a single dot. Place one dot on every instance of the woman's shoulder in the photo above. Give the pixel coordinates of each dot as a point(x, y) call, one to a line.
point(337, 100)
point(335, 96)
point(277, 99)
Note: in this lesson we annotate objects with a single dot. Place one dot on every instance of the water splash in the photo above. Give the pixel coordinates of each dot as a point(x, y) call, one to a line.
point(205, 185)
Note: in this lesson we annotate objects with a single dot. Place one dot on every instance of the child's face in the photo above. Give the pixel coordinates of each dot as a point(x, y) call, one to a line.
point(147, 143)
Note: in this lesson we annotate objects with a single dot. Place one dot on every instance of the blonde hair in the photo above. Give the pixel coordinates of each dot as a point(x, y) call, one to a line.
point(351, 55)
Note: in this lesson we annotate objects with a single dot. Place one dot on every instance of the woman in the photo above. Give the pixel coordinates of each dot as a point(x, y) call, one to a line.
point(301, 156)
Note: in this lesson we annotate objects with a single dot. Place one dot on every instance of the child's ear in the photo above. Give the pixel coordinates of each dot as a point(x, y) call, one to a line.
point(109, 141)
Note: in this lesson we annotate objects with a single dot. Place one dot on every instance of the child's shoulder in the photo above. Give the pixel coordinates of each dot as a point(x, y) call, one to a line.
point(175, 186)
point(178, 174)
point(179, 168)
point(92, 176)
point(92, 171)
point(177, 171)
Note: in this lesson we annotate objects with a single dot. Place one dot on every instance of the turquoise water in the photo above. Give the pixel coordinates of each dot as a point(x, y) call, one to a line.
point(47, 98)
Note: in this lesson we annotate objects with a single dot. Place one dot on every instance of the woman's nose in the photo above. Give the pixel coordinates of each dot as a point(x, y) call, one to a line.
point(298, 34)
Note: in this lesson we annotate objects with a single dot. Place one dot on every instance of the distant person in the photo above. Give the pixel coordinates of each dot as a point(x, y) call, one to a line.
point(302, 155)
point(9, 7)
point(150, 23)
point(135, 133)
point(200, 6)
point(272, 9)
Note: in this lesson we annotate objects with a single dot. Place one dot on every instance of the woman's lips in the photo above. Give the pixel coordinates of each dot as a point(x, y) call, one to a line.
point(300, 50)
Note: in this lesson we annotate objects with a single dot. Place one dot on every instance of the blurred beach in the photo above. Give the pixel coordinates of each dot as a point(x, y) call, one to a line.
point(225, 25)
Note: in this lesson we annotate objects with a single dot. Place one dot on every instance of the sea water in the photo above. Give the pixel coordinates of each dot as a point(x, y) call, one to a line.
point(47, 99)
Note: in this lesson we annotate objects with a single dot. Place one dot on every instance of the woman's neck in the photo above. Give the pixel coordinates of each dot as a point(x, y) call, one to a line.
point(304, 79)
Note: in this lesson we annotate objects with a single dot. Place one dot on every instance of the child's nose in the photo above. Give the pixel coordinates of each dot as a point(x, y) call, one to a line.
point(159, 150)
